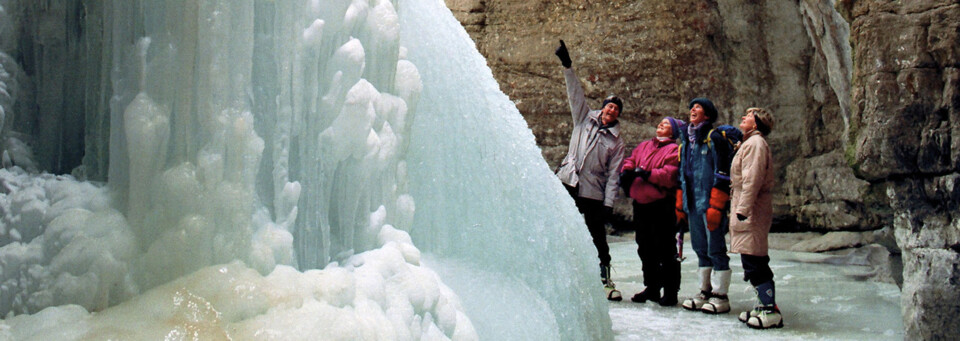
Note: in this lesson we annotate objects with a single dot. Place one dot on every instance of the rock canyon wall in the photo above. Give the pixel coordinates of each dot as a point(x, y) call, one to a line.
point(905, 139)
point(791, 57)
point(865, 93)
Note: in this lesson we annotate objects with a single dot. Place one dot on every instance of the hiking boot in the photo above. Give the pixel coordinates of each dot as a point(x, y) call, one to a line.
point(717, 304)
point(669, 298)
point(768, 317)
point(612, 293)
point(697, 301)
point(647, 294)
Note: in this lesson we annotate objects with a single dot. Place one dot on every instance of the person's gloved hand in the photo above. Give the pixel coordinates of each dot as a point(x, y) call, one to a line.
point(607, 213)
point(718, 203)
point(643, 173)
point(626, 180)
point(679, 207)
point(741, 217)
point(563, 55)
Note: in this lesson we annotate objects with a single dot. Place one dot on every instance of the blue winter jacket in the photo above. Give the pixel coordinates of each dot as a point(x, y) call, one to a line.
point(703, 166)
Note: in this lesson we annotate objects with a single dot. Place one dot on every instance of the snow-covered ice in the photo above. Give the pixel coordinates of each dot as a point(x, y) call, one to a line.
point(821, 297)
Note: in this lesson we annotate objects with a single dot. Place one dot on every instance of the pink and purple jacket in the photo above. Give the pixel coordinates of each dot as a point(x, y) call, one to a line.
point(660, 158)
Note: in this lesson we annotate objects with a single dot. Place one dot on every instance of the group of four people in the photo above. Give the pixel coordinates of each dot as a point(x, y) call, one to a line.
point(691, 174)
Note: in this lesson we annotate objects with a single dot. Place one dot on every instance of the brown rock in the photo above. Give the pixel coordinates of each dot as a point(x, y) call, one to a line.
point(791, 58)
point(866, 95)
point(904, 134)
point(823, 191)
point(904, 75)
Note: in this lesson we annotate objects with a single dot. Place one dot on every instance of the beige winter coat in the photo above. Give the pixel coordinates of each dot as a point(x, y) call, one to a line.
point(751, 176)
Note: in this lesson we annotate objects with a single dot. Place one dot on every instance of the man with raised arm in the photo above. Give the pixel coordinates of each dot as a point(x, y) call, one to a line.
point(590, 171)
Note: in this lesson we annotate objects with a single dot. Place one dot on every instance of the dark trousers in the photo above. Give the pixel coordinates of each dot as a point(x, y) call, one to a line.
point(594, 217)
point(656, 237)
point(756, 269)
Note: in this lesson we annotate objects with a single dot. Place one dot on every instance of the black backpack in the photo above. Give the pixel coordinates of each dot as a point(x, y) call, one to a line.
point(724, 140)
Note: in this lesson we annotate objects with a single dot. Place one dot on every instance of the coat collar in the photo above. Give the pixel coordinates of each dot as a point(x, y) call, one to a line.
point(663, 142)
point(700, 132)
point(746, 137)
point(613, 128)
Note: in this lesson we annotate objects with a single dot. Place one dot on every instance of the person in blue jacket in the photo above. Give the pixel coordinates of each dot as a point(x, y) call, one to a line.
point(705, 191)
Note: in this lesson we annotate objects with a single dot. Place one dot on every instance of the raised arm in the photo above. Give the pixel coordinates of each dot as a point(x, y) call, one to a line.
point(578, 103)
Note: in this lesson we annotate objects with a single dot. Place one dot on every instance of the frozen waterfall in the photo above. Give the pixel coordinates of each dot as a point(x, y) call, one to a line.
point(273, 170)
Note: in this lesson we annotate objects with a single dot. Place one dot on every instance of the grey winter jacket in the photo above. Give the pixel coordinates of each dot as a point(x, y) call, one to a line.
point(595, 154)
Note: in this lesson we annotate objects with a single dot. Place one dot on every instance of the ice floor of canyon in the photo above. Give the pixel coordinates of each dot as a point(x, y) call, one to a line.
point(822, 296)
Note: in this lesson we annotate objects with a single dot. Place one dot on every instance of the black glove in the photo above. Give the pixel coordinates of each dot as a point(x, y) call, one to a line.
point(643, 173)
point(607, 213)
point(626, 180)
point(563, 55)
point(741, 217)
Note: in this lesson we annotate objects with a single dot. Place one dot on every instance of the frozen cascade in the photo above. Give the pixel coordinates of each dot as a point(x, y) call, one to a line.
point(250, 139)
point(494, 205)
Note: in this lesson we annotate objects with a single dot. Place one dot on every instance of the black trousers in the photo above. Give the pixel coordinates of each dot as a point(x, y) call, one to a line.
point(656, 237)
point(756, 269)
point(595, 218)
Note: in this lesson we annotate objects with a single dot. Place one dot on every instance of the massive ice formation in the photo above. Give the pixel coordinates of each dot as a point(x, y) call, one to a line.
point(242, 142)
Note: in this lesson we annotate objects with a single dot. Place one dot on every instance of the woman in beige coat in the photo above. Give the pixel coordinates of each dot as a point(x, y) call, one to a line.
point(751, 214)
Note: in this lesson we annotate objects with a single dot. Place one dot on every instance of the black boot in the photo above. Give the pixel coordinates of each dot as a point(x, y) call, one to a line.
point(669, 298)
point(647, 294)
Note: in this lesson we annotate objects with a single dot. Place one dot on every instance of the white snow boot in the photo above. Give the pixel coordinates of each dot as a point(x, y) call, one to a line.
point(612, 293)
point(697, 301)
point(767, 317)
point(718, 302)
point(746, 315)
point(765, 296)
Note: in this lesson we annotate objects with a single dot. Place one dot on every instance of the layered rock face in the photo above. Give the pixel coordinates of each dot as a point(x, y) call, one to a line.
point(905, 137)
point(790, 57)
point(865, 93)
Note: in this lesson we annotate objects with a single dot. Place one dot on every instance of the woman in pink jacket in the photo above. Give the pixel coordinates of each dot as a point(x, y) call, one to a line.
point(751, 214)
point(649, 175)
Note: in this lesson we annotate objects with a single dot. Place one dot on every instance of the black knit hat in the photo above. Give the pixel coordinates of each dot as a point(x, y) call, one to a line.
point(708, 108)
point(615, 100)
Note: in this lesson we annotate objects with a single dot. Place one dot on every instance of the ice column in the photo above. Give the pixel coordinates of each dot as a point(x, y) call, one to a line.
point(494, 206)
point(316, 90)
